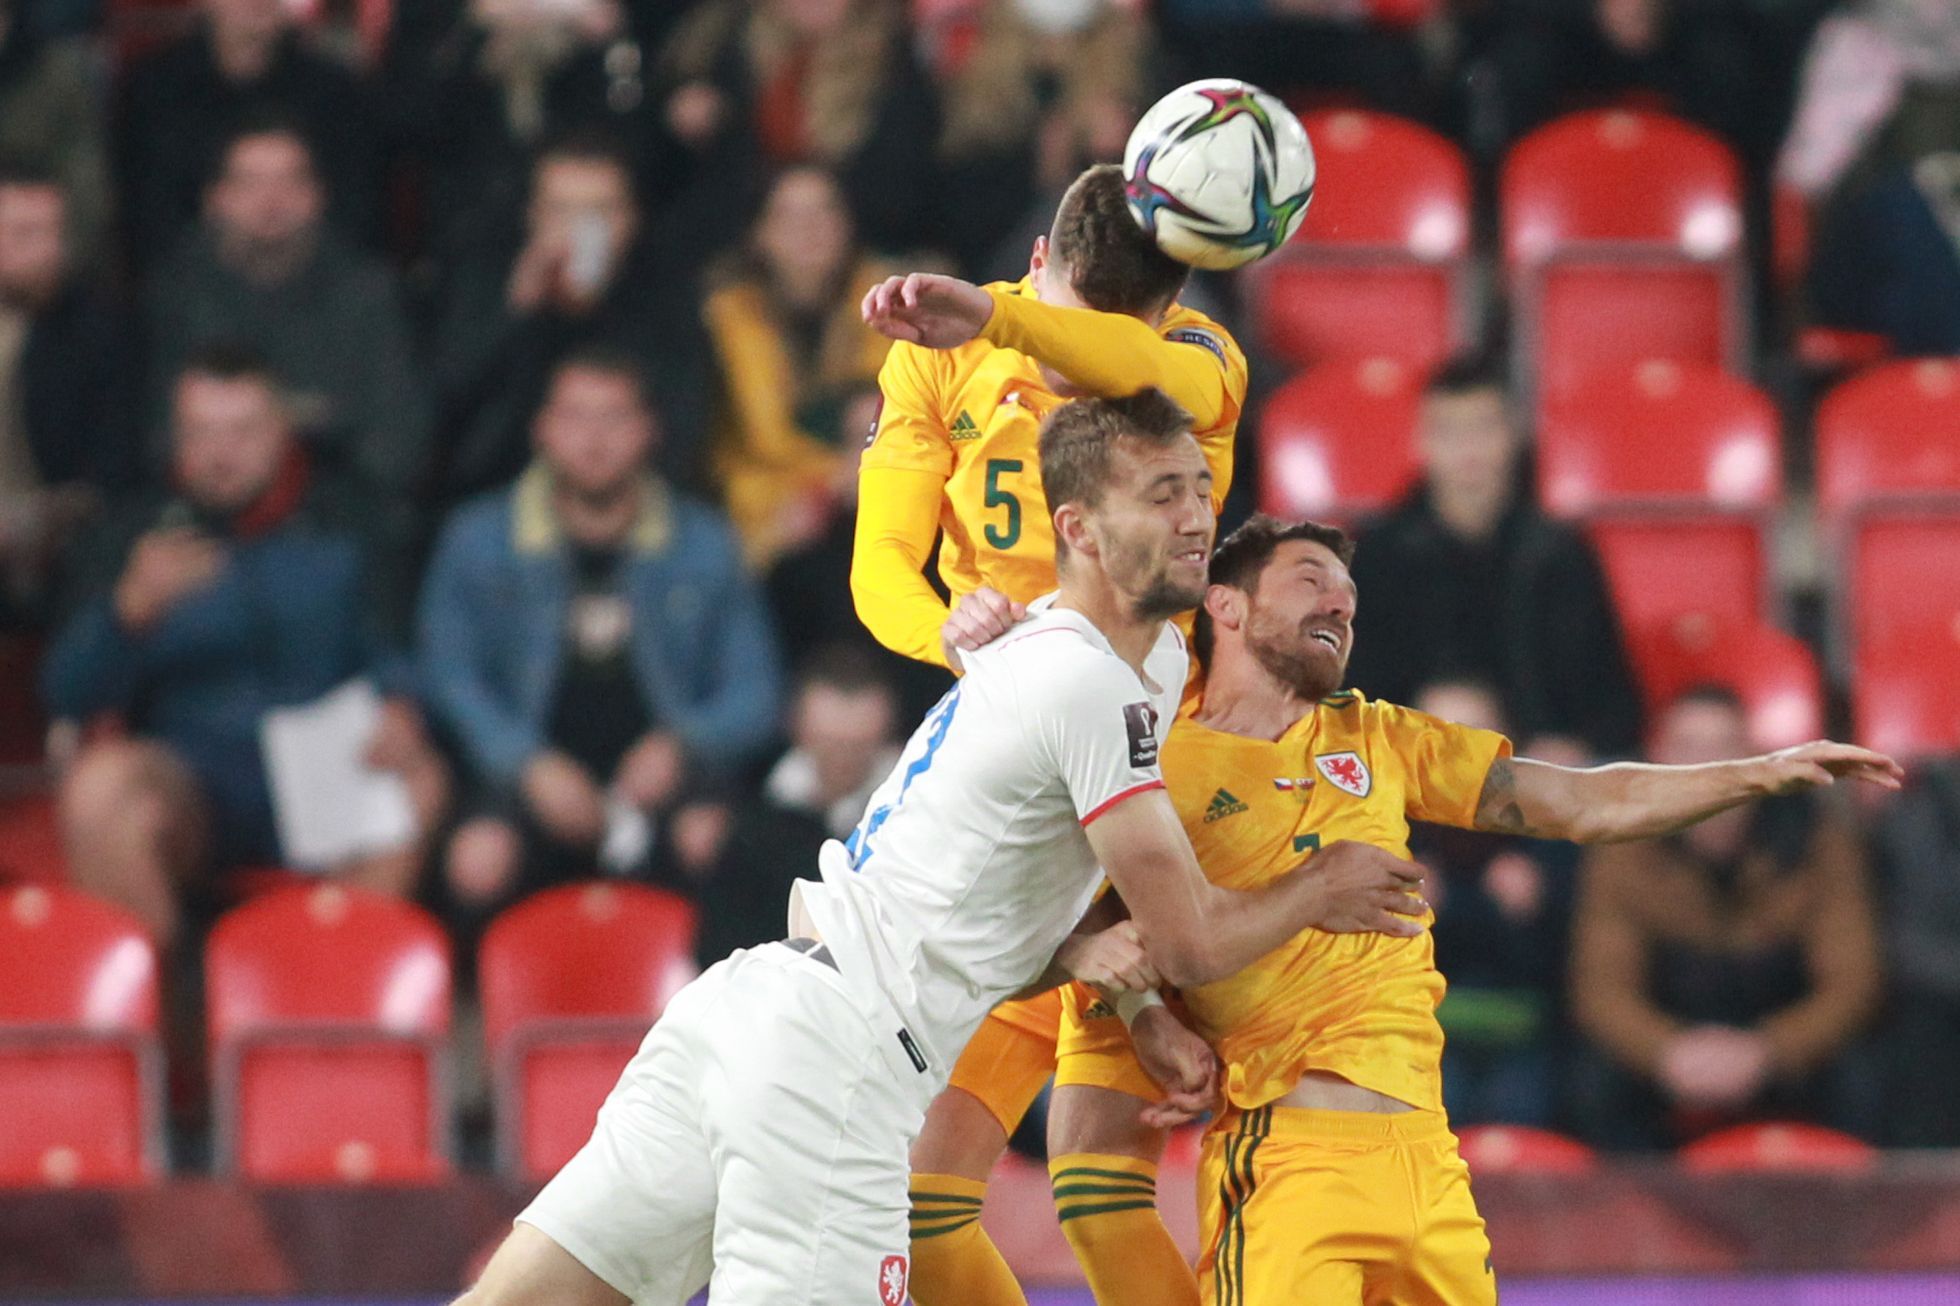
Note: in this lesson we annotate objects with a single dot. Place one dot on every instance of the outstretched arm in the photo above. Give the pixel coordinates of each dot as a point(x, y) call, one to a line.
point(1631, 800)
point(1109, 354)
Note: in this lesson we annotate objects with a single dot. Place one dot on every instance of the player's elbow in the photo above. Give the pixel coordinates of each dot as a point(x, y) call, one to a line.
point(1185, 959)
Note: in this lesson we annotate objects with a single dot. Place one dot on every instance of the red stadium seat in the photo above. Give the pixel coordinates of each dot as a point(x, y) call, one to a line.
point(81, 1085)
point(30, 839)
point(1784, 1148)
point(1378, 264)
point(1773, 672)
point(1657, 435)
point(571, 978)
point(1679, 577)
point(1623, 239)
point(327, 1009)
point(1904, 601)
point(1890, 434)
point(1517, 1149)
point(1338, 442)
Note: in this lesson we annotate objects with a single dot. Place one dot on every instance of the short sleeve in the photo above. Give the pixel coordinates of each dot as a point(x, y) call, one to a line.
point(1094, 724)
point(1444, 765)
point(911, 431)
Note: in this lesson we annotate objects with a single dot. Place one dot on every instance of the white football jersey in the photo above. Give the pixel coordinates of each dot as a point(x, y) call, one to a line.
point(972, 864)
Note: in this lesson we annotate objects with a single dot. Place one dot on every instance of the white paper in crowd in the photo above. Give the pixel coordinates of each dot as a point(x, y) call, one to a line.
point(329, 803)
point(628, 837)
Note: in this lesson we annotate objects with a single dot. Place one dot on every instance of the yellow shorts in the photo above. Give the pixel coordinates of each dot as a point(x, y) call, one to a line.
point(1010, 1057)
point(1338, 1208)
point(1094, 1048)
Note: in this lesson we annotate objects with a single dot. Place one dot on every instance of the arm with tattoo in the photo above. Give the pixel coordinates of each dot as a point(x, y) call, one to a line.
point(1632, 800)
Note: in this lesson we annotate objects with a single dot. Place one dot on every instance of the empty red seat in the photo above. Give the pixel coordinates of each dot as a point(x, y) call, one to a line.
point(80, 1066)
point(1682, 575)
point(328, 1007)
point(1519, 1149)
point(1773, 672)
point(1890, 434)
point(1377, 266)
point(1623, 239)
point(1904, 603)
point(571, 979)
point(1662, 435)
point(1777, 1147)
point(1338, 442)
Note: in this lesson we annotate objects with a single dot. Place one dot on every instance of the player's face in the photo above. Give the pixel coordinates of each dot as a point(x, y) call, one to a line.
point(1154, 526)
point(1299, 621)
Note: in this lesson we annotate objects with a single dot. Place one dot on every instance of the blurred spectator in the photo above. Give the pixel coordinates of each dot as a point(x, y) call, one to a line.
point(1918, 845)
point(51, 120)
point(1310, 46)
point(1468, 579)
point(842, 723)
point(592, 642)
point(1723, 973)
point(66, 374)
point(588, 272)
point(249, 587)
point(1881, 84)
point(799, 368)
point(749, 84)
point(1503, 916)
point(476, 86)
point(184, 106)
point(1034, 90)
point(266, 266)
point(1887, 259)
point(1547, 57)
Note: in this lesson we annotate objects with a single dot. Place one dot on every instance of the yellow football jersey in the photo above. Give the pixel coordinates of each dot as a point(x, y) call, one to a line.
point(1362, 1006)
point(972, 415)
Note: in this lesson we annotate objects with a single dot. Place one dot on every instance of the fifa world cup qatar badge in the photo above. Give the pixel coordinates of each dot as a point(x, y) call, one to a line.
point(893, 1278)
point(1346, 771)
point(1140, 721)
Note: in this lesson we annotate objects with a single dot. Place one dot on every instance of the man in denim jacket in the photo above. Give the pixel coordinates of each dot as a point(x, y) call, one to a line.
point(593, 643)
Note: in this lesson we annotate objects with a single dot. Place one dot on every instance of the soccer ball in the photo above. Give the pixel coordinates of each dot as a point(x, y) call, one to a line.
point(1219, 173)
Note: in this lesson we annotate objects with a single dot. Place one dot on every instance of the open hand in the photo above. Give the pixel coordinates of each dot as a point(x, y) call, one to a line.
point(1183, 1065)
point(1366, 889)
point(1819, 764)
point(925, 308)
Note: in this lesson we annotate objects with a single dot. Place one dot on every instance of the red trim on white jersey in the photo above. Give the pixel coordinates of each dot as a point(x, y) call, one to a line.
point(1114, 799)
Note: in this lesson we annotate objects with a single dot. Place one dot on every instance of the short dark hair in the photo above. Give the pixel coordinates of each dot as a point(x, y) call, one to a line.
point(1242, 557)
point(261, 121)
point(230, 360)
point(610, 360)
point(588, 144)
point(1710, 693)
point(30, 173)
point(1465, 373)
point(1111, 260)
point(1078, 444)
point(847, 668)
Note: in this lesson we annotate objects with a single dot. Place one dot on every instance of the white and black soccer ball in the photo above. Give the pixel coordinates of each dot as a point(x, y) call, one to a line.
point(1219, 173)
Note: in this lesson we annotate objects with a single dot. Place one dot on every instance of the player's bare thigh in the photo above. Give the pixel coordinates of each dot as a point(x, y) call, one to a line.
point(529, 1269)
point(1104, 1121)
point(961, 1137)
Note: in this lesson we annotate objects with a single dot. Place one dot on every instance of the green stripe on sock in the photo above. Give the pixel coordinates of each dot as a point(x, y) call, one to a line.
point(1088, 1172)
point(1104, 1190)
point(1067, 1213)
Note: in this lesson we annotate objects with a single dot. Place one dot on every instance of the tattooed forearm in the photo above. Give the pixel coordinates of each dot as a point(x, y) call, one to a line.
point(1497, 809)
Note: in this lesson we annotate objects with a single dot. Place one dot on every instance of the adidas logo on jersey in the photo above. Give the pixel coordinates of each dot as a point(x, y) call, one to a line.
point(1223, 804)
point(964, 427)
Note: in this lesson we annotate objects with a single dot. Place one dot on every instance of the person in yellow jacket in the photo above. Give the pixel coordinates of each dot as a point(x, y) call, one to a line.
point(798, 367)
point(952, 459)
point(1330, 1175)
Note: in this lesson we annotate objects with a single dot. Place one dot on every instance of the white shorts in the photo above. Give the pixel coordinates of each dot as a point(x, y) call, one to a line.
point(757, 1143)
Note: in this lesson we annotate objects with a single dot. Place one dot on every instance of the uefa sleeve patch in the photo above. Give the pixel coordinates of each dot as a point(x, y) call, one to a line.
point(1140, 721)
point(1200, 337)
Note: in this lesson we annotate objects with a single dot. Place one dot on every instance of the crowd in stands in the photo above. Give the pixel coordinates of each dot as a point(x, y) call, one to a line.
point(509, 360)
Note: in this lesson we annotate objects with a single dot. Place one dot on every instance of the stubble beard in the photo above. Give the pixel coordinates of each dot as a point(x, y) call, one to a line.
point(1290, 658)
